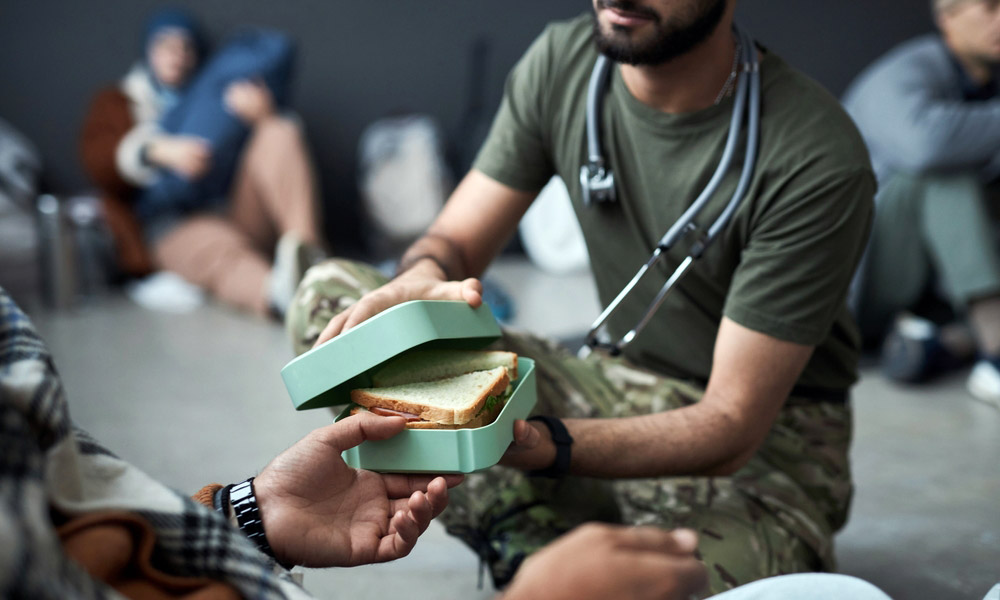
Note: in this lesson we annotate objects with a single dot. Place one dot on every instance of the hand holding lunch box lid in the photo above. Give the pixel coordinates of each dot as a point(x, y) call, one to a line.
point(403, 341)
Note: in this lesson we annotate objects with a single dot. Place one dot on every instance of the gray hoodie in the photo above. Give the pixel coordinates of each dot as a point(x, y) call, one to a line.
point(911, 110)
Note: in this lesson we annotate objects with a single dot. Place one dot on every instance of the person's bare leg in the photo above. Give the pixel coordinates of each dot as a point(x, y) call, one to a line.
point(210, 252)
point(275, 189)
point(958, 339)
point(984, 316)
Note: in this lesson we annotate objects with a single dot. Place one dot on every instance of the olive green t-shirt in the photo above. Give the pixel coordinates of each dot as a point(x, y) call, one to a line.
point(783, 265)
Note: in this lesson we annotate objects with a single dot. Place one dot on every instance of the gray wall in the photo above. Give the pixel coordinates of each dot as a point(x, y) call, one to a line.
point(361, 60)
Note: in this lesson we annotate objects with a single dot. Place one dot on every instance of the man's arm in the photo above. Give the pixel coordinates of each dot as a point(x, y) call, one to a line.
point(752, 375)
point(908, 110)
point(475, 224)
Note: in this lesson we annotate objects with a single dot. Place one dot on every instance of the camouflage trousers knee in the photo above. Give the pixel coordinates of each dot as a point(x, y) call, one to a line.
point(325, 290)
point(776, 515)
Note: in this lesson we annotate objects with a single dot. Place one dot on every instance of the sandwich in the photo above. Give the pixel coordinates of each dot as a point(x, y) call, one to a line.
point(441, 389)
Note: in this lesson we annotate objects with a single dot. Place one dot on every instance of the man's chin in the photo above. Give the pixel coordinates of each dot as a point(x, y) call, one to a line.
point(621, 41)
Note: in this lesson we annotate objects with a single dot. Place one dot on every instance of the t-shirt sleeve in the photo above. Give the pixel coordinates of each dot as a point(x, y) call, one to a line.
point(515, 152)
point(795, 270)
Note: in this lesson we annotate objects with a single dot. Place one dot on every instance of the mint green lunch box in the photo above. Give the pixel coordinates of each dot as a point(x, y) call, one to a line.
point(324, 377)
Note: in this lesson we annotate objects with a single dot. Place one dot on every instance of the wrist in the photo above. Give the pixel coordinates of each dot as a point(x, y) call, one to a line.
point(154, 152)
point(423, 266)
point(268, 505)
point(247, 503)
point(555, 461)
point(438, 252)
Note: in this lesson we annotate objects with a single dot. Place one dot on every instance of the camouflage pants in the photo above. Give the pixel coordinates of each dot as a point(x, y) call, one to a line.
point(774, 516)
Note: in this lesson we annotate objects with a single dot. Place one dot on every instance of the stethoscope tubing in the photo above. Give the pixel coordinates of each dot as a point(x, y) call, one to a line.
point(748, 91)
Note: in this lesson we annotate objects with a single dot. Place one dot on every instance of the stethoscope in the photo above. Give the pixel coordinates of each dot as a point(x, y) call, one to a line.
point(598, 184)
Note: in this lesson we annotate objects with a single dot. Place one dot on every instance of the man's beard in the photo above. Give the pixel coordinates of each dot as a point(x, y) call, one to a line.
point(669, 41)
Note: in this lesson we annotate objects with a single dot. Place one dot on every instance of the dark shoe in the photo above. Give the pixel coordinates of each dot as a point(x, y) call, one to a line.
point(913, 352)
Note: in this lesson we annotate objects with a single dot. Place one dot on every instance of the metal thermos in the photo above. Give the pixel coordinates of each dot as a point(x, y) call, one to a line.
point(57, 253)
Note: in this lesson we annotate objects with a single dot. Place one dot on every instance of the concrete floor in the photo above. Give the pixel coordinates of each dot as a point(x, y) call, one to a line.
point(197, 398)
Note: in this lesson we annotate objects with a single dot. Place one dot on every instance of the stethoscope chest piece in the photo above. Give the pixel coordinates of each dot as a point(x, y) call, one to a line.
point(597, 184)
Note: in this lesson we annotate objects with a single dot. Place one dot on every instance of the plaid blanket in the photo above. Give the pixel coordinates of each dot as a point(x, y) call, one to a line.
point(46, 463)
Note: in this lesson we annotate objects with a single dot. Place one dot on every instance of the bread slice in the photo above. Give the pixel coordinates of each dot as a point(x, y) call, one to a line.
point(451, 401)
point(430, 365)
point(485, 417)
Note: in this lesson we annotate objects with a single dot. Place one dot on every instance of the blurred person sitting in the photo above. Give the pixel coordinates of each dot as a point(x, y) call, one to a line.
point(224, 248)
point(929, 111)
point(80, 522)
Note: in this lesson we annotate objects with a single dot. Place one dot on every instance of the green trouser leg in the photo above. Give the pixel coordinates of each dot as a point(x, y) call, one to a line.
point(757, 523)
point(776, 515)
point(961, 240)
point(925, 226)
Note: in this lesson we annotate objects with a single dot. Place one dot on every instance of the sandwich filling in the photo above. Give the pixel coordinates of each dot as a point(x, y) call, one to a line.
point(388, 412)
point(441, 389)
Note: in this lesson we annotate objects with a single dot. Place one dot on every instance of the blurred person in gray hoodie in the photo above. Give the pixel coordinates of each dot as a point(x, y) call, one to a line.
point(929, 111)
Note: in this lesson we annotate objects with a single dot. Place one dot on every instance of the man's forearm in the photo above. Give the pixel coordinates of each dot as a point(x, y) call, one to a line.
point(752, 376)
point(701, 439)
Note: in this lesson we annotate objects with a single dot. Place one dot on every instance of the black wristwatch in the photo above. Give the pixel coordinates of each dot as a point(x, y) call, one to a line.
point(244, 503)
point(563, 441)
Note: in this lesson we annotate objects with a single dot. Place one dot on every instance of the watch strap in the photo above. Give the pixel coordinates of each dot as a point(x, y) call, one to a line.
point(248, 518)
point(563, 441)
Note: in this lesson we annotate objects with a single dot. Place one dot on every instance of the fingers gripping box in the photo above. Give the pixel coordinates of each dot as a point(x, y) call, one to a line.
point(324, 377)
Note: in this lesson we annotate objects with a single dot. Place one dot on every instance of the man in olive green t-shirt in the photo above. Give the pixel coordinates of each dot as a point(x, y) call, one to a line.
point(728, 414)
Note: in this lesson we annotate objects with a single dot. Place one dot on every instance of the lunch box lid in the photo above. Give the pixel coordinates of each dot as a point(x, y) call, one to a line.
point(324, 376)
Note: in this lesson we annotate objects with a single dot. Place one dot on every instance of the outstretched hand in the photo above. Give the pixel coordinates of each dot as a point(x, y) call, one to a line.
point(318, 512)
point(596, 561)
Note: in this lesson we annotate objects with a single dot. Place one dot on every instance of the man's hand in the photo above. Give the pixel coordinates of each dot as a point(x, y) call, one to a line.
point(186, 155)
point(604, 561)
point(318, 512)
point(532, 447)
point(478, 219)
point(251, 101)
point(424, 281)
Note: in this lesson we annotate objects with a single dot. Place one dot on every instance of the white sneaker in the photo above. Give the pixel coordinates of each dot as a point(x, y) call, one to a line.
point(292, 257)
point(166, 291)
point(984, 382)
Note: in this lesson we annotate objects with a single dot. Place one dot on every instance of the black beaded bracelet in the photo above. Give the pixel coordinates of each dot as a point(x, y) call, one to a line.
point(563, 441)
point(248, 517)
point(407, 264)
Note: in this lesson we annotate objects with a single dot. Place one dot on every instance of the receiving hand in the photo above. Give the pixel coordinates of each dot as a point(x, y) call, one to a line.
point(318, 512)
point(415, 284)
point(251, 101)
point(186, 155)
point(604, 561)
